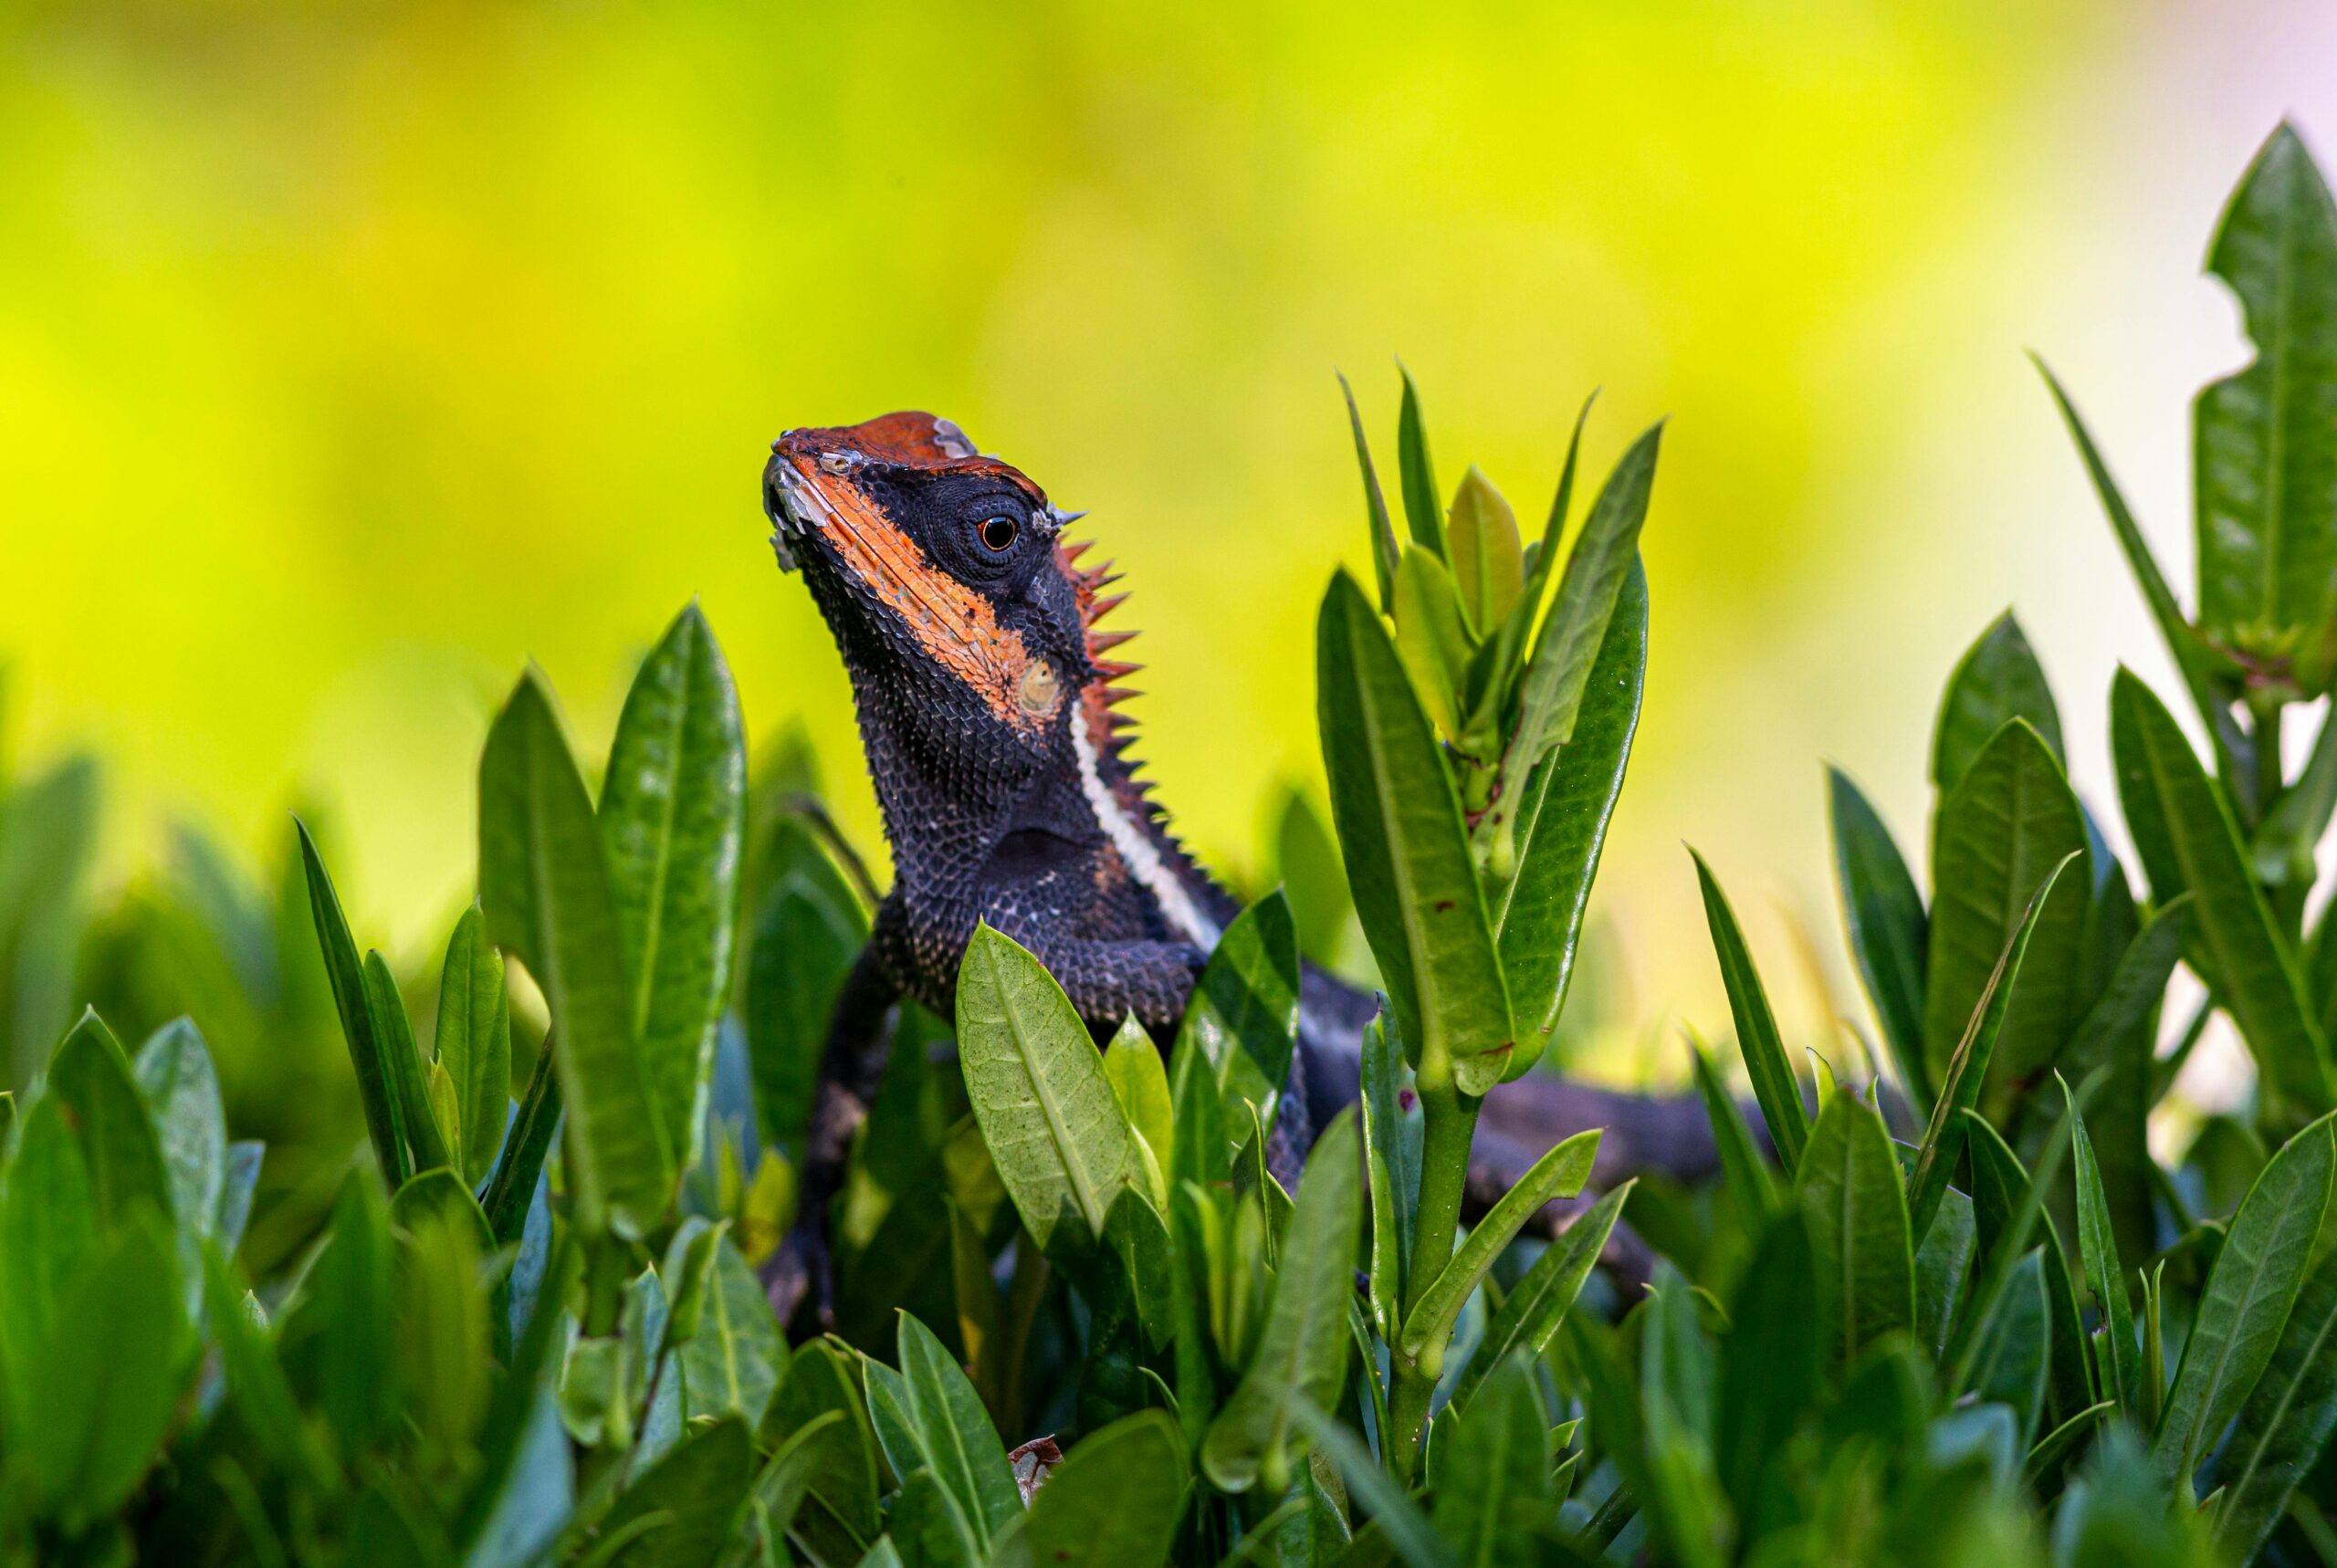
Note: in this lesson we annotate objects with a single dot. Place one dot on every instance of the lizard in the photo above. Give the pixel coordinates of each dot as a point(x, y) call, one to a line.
point(989, 694)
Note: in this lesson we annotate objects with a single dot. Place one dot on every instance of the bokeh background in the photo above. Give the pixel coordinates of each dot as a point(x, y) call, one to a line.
point(352, 354)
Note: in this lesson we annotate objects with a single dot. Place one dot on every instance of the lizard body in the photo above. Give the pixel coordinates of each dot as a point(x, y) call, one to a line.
point(987, 694)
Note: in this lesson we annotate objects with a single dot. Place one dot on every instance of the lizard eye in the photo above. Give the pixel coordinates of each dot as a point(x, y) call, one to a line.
point(999, 533)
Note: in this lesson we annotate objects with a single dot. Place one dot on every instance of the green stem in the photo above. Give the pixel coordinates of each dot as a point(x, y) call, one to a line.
point(1451, 1128)
point(2266, 709)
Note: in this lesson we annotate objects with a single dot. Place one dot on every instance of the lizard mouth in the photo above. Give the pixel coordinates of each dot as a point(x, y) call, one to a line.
point(795, 509)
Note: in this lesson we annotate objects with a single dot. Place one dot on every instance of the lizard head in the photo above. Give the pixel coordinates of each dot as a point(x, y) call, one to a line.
point(929, 559)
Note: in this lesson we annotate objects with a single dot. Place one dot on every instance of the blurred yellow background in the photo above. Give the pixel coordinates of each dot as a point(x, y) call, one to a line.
point(352, 354)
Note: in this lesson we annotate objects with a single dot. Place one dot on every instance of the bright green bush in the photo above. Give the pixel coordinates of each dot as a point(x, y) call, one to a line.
point(1959, 1314)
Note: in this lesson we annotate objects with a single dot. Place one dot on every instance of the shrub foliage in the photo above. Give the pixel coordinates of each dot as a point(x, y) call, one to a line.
point(486, 1289)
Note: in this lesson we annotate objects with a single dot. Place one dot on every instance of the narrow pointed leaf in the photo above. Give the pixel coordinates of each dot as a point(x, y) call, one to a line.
point(2190, 655)
point(1960, 1089)
point(1537, 911)
point(1848, 1183)
point(2104, 1278)
point(375, 1092)
point(1557, 1173)
point(2189, 842)
point(1889, 930)
point(1407, 851)
point(474, 1041)
point(1536, 1306)
point(1384, 548)
point(2286, 1423)
point(1551, 695)
point(426, 1140)
point(1303, 1350)
point(1998, 680)
point(2247, 1301)
point(1422, 511)
point(672, 818)
point(1765, 1063)
point(2265, 453)
point(2009, 821)
point(544, 881)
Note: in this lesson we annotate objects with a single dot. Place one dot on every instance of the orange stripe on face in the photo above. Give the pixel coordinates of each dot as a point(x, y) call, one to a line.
point(957, 627)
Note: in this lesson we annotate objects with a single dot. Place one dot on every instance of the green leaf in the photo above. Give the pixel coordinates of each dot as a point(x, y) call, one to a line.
point(1038, 1090)
point(1998, 680)
point(92, 1081)
point(2184, 830)
point(809, 930)
point(1406, 850)
point(672, 818)
point(1544, 562)
point(1968, 1068)
point(1494, 1465)
point(341, 1329)
point(1422, 511)
point(1774, 1084)
point(1306, 858)
point(256, 1380)
point(2007, 823)
point(681, 1510)
point(1384, 548)
point(2007, 1211)
point(2247, 1298)
point(106, 1390)
point(2266, 457)
point(1941, 1264)
point(2011, 1354)
point(442, 1314)
point(1432, 636)
point(1848, 1183)
point(2191, 656)
point(1488, 558)
point(1570, 797)
point(1890, 932)
point(1391, 1149)
point(1560, 1173)
point(1202, 1147)
point(402, 1059)
point(956, 1434)
point(2282, 849)
point(1115, 1502)
point(931, 1526)
point(2285, 1424)
point(511, 1191)
point(182, 1090)
point(1302, 1349)
point(2118, 1037)
point(376, 1091)
point(1744, 1172)
point(1551, 694)
point(1535, 1307)
point(1243, 1012)
point(738, 1355)
point(545, 884)
point(839, 1518)
point(474, 1041)
point(1773, 1362)
point(438, 1195)
point(1140, 1084)
point(2097, 1247)
point(49, 1228)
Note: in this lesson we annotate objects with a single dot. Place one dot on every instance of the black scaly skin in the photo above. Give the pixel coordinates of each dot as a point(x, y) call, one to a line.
point(985, 699)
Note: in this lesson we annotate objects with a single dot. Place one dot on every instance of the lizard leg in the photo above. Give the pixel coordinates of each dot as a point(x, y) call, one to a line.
point(860, 1040)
